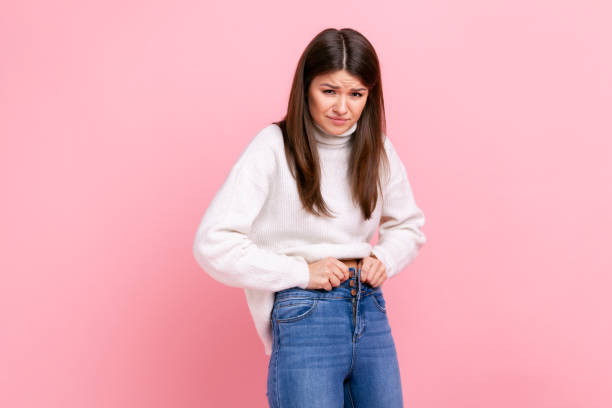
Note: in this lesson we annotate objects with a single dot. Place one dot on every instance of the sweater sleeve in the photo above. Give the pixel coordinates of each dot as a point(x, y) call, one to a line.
point(222, 246)
point(399, 235)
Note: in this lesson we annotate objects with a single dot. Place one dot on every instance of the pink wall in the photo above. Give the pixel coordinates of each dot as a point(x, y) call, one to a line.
point(120, 119)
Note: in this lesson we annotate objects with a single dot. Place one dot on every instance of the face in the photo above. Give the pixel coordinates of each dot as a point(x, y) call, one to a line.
point(336, 101)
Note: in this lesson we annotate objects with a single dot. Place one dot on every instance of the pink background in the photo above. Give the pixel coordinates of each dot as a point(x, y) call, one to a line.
point(119, 120)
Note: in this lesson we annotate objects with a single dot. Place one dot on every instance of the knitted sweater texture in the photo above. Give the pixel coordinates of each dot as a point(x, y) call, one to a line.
point(255, 234)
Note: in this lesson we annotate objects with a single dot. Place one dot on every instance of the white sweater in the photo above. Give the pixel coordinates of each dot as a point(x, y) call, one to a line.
point(255, 234)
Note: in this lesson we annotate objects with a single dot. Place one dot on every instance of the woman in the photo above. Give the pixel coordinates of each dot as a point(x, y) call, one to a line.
point(291, 225)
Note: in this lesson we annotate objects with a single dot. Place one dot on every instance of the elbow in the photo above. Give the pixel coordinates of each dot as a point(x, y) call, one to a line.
point(200, 251)
point(213, 261)
point(420, 239)
point(206, 260)
point(197, 251)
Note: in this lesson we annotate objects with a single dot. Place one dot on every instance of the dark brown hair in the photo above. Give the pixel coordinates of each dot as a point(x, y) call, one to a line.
point(329, 51)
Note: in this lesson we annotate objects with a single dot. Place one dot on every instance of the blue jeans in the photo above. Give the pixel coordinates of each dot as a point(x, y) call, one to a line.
point(333, 349)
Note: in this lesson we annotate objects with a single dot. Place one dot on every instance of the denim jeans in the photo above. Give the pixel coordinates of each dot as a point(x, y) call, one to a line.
point(333, 349)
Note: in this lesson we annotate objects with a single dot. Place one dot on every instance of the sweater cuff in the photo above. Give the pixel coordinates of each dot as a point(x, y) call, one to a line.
point(303, 275)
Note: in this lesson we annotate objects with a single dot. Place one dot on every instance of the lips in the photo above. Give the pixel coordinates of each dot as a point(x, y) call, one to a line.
point(331, 117)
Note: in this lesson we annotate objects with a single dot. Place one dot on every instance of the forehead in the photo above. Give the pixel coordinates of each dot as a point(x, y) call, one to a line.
point(340, 78)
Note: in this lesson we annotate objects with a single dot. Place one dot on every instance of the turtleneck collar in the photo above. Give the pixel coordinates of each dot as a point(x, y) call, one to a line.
point(333, 141)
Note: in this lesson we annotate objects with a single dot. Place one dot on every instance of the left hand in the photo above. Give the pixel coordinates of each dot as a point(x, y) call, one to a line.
point(373, 271)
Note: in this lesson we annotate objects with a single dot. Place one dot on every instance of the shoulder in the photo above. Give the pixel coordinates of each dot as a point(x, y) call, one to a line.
point(390, 150)
point(258, 159)
point(265, 144)
point(267, 139)
point(396, 169)
point(389, 147)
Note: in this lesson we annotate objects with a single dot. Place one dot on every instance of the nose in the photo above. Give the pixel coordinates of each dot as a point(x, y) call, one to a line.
point(340, 106)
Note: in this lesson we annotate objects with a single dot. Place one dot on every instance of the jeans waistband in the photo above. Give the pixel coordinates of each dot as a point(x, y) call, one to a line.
point(344, 290)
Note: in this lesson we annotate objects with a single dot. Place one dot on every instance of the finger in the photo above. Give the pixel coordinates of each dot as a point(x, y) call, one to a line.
point(369, 265)
point(377, 280)
point(340, 274)
point(364, 261)
point(377, 270)
point(342, 267)
point(333, 279)
point(364, 273)
point(382, 277)
point(375, 274)
point(372, 278)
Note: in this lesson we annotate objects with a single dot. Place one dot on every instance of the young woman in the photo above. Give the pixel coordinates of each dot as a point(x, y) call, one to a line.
point(292, 224)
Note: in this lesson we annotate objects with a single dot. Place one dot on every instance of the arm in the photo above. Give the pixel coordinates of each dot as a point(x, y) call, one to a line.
point(222, 246)
point(399, 235)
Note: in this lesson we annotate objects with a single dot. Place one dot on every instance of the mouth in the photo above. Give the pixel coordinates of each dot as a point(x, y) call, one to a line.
point(337, 119)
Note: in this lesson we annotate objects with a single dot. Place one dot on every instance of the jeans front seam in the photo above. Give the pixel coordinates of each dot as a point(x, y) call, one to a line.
point(350, 393)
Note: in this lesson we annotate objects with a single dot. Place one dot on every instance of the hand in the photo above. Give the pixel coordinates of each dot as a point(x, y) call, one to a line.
point(327, 273)
point(373, 270)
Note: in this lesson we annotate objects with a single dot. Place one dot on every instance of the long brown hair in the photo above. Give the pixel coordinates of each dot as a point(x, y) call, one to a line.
point(329, 51)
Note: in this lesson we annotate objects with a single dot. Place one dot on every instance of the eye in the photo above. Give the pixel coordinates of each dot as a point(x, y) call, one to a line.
point(358, 94)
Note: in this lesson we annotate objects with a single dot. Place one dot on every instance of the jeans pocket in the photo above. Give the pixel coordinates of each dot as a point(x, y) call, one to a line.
point(293, 309)
point(379, 301)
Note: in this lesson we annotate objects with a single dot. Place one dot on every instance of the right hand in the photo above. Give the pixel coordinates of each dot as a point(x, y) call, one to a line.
point(327, 273)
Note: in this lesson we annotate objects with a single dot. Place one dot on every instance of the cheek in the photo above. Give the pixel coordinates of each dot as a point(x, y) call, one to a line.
point(358, 106)
point(323, 107)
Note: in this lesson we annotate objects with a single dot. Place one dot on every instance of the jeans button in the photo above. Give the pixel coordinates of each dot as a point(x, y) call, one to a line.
point(351, 283)
point(353, 292)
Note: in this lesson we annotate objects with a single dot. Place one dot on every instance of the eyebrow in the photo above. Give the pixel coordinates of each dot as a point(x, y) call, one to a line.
point(337, 87)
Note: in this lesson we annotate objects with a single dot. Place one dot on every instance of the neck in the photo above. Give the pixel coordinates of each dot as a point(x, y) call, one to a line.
point(326, 139)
